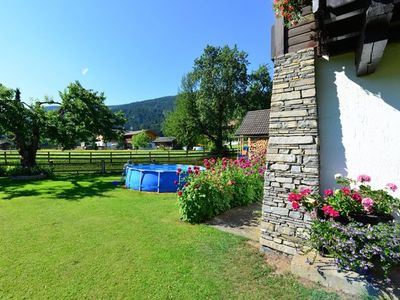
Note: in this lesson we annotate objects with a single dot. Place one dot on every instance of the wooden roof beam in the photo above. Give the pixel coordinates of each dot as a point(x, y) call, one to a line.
point(374, 36)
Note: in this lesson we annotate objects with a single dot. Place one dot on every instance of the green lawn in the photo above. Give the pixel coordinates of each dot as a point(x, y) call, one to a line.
point(84, 238)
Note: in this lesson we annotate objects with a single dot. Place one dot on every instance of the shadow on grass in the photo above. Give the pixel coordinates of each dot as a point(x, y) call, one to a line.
point(59, 188)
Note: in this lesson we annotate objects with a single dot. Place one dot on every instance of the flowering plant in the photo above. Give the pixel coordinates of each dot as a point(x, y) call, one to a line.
point(358, 247)
point(224, 183)
point(354, 197)
point(290, 10)
point(355, 246)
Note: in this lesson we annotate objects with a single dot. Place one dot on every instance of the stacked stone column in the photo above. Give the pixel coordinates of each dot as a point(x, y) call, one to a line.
point(293, 151)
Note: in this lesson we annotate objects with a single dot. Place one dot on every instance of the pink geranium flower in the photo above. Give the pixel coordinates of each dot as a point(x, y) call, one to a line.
point(364, 178)
point(328, 192)
point(295, 205)
point(392, 187)
point(294, 197)
point(368, 203)
point(305, 192)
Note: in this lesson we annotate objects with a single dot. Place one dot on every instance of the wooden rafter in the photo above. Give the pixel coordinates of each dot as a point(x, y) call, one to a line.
point(374, 36)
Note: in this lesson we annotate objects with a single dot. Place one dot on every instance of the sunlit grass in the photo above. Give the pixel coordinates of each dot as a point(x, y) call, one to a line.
point(85, 238)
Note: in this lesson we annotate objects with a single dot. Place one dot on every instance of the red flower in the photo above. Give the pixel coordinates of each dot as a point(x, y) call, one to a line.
point(180, 193)
point(356, 196)
point(190, 171)
point(328, 192)
point(295, 205)
point(305, 192)
point(330, 211)
point(346, 191)
point(231, 182)
point(294, 197)
point(178, 171)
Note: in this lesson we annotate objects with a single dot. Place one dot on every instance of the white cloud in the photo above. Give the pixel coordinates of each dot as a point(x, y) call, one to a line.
point(84, 71)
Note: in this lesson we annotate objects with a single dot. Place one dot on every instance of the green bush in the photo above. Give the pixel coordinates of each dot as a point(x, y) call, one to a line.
point(2, 171)
point(223, 184)
point(21, 171)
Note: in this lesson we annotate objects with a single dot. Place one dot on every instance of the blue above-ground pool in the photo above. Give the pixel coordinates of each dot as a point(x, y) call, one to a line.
point(154, 177)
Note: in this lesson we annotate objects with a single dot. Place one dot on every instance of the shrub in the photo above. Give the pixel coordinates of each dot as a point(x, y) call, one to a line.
point(2, 171)
point(224, 184)
point(358, 247)
point(21, 171)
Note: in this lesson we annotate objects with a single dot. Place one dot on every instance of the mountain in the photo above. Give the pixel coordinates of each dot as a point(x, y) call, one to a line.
point(147, 114)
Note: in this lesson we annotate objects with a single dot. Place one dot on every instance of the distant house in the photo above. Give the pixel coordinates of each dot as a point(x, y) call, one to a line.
point(6, 144)
point(130, 134)
point(165, 142)
point(253, 132)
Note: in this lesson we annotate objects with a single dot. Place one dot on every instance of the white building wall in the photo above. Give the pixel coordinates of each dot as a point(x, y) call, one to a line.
point(359, 119)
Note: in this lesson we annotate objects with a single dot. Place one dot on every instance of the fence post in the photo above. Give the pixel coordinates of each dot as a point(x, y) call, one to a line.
point(169, 159)
point(149, 156)
point(69, 157)
point(103, 166)
point(90, 156)
point(110, 157)
point(5, 157)
point(48, 157)
point(130, 154)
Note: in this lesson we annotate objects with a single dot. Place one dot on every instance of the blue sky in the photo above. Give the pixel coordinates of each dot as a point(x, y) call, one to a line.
point(132, 50)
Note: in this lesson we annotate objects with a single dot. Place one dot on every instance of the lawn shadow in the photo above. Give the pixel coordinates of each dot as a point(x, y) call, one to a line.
point(74, 189)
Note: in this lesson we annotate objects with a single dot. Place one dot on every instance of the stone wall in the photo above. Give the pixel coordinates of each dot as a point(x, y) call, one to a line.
point(293, 151)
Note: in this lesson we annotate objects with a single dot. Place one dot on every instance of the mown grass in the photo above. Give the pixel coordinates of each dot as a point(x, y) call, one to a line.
point(85, 238)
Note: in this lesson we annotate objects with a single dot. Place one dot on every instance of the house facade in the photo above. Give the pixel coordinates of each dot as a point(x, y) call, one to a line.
point(335, 108)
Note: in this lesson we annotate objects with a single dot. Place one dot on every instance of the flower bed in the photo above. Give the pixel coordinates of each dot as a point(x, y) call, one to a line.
point(224, 184)
point(354, 223)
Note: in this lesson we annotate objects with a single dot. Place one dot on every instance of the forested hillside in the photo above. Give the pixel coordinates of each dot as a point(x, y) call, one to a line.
point(148, 114)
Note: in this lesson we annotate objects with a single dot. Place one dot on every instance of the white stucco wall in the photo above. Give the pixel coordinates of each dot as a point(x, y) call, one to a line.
point(359, 119)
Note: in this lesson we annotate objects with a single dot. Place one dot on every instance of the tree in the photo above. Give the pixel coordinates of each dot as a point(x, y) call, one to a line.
point(216, 95)
point(82, 115)
point(23, 122)
point(141, 140)
point(260, 89)
point(182, 122)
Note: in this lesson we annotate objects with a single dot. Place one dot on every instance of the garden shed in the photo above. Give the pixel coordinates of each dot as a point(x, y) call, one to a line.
point(335, 107)
point(253, 132)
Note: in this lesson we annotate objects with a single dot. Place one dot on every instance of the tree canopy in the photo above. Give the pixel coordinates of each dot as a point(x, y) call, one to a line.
point(215, 96)
point(81, 116)
point(141, 140)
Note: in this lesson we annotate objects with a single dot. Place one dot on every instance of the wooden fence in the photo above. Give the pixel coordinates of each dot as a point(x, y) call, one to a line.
point(105, 161)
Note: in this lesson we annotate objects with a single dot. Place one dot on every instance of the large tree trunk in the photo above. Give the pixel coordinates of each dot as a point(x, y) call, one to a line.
point(28, 151)
point(28, 157)
point(219, 144)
